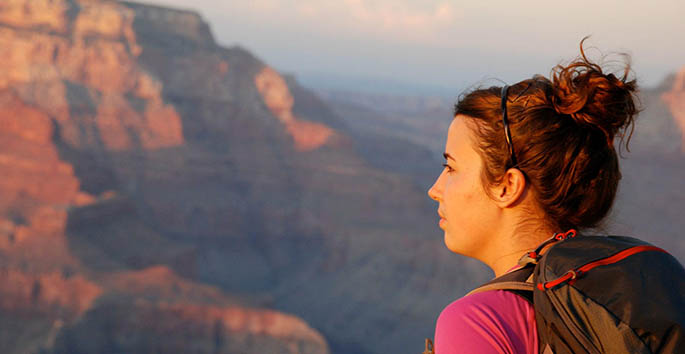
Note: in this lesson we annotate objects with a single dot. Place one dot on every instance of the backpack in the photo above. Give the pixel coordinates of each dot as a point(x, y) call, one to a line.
point(600, 294)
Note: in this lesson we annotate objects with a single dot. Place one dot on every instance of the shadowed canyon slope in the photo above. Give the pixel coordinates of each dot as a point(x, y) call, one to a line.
point(162, 193)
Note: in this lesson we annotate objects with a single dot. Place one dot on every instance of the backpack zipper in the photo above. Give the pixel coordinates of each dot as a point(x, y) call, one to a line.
point(575, 273)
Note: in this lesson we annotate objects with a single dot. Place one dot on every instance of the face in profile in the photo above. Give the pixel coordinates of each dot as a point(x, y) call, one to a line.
point(466, 211)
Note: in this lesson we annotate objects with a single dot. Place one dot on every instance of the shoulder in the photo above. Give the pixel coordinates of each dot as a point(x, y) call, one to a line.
point(488, 322)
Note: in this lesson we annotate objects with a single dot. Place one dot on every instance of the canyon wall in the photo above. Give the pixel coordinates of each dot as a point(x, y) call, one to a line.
point(79, 116)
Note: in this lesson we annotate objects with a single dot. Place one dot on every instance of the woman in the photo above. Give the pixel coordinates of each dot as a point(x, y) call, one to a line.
point(524, 162)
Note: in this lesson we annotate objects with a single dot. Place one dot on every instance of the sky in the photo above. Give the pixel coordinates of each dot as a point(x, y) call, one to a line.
point(434, 46)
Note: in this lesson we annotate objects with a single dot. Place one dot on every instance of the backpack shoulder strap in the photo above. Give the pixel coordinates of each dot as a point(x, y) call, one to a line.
point(505, 285)
point(519, 281)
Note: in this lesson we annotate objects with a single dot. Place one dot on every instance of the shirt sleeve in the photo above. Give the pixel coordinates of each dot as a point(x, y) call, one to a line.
point(489, 322)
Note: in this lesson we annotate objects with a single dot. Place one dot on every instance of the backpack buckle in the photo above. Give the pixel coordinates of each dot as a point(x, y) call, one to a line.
point(531, 257)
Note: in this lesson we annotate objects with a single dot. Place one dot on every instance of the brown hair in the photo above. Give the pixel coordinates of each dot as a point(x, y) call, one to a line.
point(563, 133)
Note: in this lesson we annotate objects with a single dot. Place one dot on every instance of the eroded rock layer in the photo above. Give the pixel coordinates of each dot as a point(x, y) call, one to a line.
point(191, 196)
point(79, 116)
point(675, 98)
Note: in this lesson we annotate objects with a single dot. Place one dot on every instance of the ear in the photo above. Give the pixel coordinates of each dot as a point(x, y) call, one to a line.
point(511, 191)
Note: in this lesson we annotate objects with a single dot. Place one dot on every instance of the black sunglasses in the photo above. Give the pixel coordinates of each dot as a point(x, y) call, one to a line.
point(507, 131)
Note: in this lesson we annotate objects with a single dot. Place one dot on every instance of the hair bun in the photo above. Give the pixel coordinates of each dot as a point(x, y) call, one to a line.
point(592, 98)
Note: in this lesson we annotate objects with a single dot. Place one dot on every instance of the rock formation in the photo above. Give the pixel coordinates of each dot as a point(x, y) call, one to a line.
point(277, 97)
point(73, 97)
point(154, 310)
point(675, 99)
point(189, 196)
point(83, 72)
point(119, 325)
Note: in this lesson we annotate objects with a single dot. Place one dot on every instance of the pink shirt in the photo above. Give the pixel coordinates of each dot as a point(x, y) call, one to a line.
point(494, 321)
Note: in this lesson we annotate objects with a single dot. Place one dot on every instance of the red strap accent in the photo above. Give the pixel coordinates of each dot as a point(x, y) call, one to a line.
point(555, 238)
point(568, 234)
point(574, 273)
point(619, 256)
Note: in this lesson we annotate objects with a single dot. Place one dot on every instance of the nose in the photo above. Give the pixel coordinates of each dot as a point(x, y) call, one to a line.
point(435, 191)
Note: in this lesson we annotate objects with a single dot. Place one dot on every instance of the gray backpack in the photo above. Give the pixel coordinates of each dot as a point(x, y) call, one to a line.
point(601, 294)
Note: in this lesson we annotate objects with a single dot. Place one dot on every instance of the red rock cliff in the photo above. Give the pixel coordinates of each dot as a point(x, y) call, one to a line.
point(277, 97)
point(71, 79)
point(49, 54)
point(676, 102)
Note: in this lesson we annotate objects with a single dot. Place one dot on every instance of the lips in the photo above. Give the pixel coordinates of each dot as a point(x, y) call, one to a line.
point(442, 219)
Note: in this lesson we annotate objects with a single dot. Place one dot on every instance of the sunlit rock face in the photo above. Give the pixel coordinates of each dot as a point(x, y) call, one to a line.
point(77, 62)
point(121, 325)
point(37, 189)
point(47, 14)
point(155, 310)
point(81, 122)
point(39, 294)
point(277, 97)
point(29, 154)
point(40, 289)
point(675, 99)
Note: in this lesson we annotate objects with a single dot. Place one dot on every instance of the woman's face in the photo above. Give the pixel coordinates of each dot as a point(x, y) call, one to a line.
point(467, 214)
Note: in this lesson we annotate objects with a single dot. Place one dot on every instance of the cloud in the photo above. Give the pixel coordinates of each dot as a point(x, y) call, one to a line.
point(372, 19)
point(399, 20)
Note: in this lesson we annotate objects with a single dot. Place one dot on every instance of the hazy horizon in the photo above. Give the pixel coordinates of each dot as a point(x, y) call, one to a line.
point(442, 45)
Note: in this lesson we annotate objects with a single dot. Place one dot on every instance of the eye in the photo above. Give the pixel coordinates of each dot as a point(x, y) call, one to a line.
point(449, 169)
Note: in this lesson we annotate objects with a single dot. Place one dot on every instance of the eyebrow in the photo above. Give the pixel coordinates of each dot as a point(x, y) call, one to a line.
point(447, 156)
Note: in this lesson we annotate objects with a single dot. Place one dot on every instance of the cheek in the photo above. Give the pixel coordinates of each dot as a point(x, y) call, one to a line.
point(464, 189)
point(467, 205)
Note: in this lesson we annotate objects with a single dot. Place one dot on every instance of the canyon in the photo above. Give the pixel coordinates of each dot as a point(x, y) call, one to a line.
point(163, 193)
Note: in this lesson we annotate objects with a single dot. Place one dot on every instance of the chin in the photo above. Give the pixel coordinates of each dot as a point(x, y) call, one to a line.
point(452, 246)
point(458, 246)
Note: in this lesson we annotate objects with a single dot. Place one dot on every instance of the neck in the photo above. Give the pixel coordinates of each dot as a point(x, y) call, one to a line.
point(509, 247)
